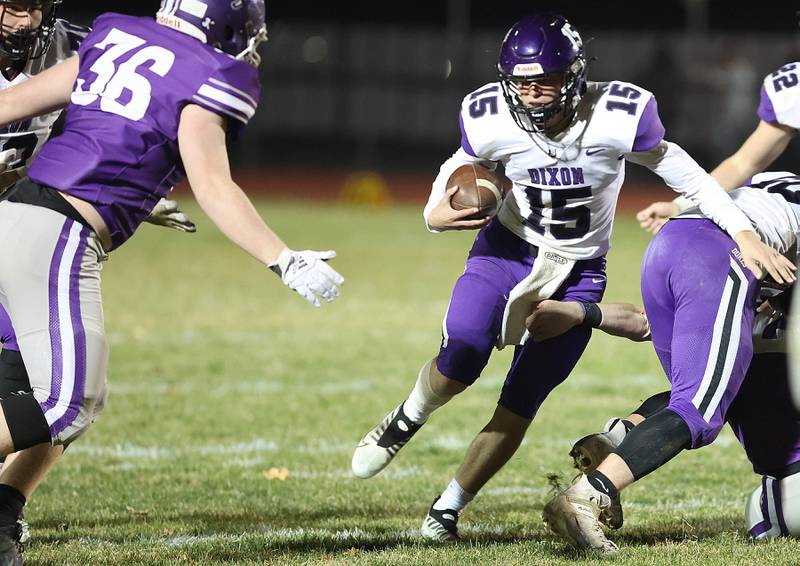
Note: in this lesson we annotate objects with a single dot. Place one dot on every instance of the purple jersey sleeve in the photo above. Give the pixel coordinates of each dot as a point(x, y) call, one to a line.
point(119, 149)
point(650, 130)
point(232, 91)
point(766, 111)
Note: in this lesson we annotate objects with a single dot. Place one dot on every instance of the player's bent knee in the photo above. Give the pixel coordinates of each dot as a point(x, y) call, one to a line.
point(773, 509)
point(13, 374)
point(703, 432)
point(462, 360)
point(25, 420)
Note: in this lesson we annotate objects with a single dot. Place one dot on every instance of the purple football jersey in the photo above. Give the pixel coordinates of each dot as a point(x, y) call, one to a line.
point(119, 150)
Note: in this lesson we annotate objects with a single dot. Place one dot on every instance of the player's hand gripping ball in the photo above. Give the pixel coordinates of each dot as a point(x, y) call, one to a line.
point(478, 187)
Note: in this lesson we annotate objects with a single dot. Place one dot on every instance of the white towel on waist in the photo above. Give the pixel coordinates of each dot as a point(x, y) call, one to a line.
point(549, 271)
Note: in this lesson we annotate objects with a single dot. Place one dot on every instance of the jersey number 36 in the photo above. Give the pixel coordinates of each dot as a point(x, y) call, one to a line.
point(112, 80)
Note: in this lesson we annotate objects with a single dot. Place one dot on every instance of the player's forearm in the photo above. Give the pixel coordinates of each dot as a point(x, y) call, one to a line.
point(682, 173)
point(46, 92)
point(625, 320)
point(232, 212)
point(757, 153)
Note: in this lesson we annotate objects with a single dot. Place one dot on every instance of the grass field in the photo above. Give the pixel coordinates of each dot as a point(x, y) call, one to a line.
point(219, 374)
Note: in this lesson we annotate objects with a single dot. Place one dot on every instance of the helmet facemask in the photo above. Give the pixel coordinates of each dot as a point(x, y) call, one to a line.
point(534, 119)
point(23, 45)
point(250, 53)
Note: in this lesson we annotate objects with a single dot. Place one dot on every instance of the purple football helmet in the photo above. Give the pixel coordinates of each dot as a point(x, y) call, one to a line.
point(534, 48)
point(23, 45)
point(235, 27)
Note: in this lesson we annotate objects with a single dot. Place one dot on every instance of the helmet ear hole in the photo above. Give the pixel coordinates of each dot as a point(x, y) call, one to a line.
point(229, 33)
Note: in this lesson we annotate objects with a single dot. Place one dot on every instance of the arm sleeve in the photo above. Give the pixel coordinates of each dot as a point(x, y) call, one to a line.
point(459, 158)
point(683, 175)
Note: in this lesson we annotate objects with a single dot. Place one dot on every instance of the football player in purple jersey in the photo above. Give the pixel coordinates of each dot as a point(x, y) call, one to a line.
point(150, 103)
point(763, 416)
point(779, 119)
point(701, 311)
point(33, 39)
point(564, 142)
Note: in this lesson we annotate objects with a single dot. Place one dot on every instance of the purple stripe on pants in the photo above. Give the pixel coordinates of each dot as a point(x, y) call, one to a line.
point(497, 262)
point(691, 297)
point(55, 329)
point(7, 335)
point(79, 334)
point(776, 497)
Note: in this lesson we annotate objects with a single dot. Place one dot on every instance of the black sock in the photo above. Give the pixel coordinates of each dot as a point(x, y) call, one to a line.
point(11, 504)
point(601, 483)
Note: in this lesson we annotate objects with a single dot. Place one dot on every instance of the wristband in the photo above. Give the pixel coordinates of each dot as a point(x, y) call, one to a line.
point(592, 315)
point(683, 204)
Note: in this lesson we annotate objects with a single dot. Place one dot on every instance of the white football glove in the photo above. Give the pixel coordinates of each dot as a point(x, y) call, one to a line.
point(166, 213)
point(307, 273)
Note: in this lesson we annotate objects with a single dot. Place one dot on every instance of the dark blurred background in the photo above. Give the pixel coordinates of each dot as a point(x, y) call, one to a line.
point(377, 86)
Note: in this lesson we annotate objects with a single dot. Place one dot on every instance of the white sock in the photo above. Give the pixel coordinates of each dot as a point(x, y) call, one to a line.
point(617, 430)
point(423, 401)
point(454, 497)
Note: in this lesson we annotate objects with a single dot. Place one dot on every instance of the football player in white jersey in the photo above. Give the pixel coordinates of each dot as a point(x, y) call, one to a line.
point(32, 39)
point(563, 142)
point(779, 120)
point(701, 309)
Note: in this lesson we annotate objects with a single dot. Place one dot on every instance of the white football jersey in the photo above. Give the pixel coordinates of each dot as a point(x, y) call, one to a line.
point(28, 136)
point(772, 203)
point(780, 96)
point(565, 189)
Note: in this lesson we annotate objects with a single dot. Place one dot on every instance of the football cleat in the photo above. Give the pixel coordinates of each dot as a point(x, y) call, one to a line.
point(23, 530)
point(440, 525)
point(574, 514)
point(10, 549)
point(589, 451)
point(382, 443)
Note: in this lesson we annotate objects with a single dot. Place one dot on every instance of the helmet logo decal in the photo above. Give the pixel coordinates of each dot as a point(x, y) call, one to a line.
point(528, 69)
point(570, 33)
point(237, 4)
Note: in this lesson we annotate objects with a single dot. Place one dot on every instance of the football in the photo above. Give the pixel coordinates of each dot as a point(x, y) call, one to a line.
point(478, 187)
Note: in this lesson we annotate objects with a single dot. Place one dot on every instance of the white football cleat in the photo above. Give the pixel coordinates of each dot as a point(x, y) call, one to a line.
point(574, 514)
point(382, 443)
point(440, 525)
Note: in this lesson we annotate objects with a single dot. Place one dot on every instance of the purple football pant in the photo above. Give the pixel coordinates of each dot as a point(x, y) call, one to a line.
point(700, 301)
point(7, 337)
point(497, 262)
point(764, 417)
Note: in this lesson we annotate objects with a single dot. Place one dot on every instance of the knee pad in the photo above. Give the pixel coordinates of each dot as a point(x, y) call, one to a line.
point(13, 374)
point(773, 509)
point(25, 420)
